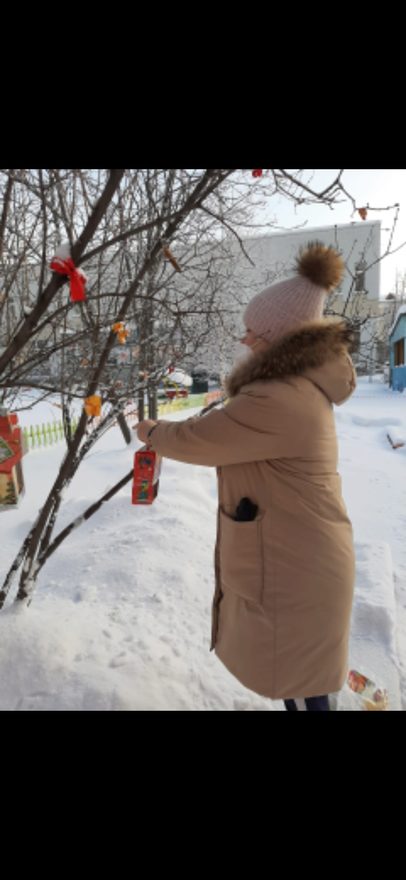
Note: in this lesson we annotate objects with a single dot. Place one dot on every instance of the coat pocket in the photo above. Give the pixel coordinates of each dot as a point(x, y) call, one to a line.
point(241, 557)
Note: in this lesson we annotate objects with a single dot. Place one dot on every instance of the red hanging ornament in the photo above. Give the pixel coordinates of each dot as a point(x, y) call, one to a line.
point(363, 213)
point(77, 278)
point(147, 468)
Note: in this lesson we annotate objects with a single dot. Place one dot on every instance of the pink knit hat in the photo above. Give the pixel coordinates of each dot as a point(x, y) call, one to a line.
point(286, 306)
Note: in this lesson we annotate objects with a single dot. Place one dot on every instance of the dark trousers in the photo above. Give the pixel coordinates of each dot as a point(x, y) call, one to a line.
point(313, 704)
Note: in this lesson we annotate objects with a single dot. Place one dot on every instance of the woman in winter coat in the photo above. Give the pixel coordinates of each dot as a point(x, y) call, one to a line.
point(284, 579)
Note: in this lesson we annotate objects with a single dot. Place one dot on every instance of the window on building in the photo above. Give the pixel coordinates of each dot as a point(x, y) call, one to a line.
point(399, 353)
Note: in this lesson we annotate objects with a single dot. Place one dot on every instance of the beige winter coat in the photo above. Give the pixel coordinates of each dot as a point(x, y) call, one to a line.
point(284, 582)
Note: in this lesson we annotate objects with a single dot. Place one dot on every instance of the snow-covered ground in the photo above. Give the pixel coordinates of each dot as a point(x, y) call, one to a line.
point(121, 615)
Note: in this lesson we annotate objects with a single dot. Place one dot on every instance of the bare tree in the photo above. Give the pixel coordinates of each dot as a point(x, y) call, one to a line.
point(119, 225)
point(190, 192)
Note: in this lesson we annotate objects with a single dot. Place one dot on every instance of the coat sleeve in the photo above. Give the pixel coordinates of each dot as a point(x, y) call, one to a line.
point(237, 433)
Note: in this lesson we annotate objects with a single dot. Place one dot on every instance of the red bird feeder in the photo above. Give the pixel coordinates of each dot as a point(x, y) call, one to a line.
point(11, 453)
point(147, 467)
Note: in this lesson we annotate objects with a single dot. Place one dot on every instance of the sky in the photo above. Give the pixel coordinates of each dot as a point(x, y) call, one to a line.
point(120, 619)
point(377, 188)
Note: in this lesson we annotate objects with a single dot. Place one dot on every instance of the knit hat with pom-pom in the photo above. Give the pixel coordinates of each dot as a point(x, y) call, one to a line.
point(288, 305)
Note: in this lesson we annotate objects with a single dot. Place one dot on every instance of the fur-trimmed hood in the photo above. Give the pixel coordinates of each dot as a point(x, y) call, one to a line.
point(319, 352)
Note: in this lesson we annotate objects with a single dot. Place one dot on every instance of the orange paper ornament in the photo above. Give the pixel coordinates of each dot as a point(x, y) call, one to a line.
point(169, 256)
point(122, 333)
point(92, 405)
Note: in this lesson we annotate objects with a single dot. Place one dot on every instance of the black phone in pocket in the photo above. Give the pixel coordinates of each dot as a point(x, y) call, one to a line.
point(246, 510)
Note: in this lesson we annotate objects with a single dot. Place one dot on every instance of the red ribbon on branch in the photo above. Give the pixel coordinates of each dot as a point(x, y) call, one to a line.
point(76, 277)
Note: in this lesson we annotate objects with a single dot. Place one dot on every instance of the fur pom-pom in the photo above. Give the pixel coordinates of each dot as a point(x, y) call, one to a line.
point(321, 264)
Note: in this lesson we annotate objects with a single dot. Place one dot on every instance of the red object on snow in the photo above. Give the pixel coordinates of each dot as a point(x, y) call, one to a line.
point(147, 466)
point(76, 277)
point(257, 172)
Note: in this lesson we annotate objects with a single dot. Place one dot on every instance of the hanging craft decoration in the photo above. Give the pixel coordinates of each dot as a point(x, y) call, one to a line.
point(64, 265)
point(92, 405)
point(121, 332)
point(169, 256)
point(147, 468)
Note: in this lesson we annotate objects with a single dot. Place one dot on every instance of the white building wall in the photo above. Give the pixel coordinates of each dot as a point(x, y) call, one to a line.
point(274, 254)
point(272, 258)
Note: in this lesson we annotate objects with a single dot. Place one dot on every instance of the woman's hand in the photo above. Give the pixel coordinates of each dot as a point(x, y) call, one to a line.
point(142, 429)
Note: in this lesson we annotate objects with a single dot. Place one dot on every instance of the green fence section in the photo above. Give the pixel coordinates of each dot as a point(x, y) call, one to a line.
point(181, 403)
point(48, 433)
